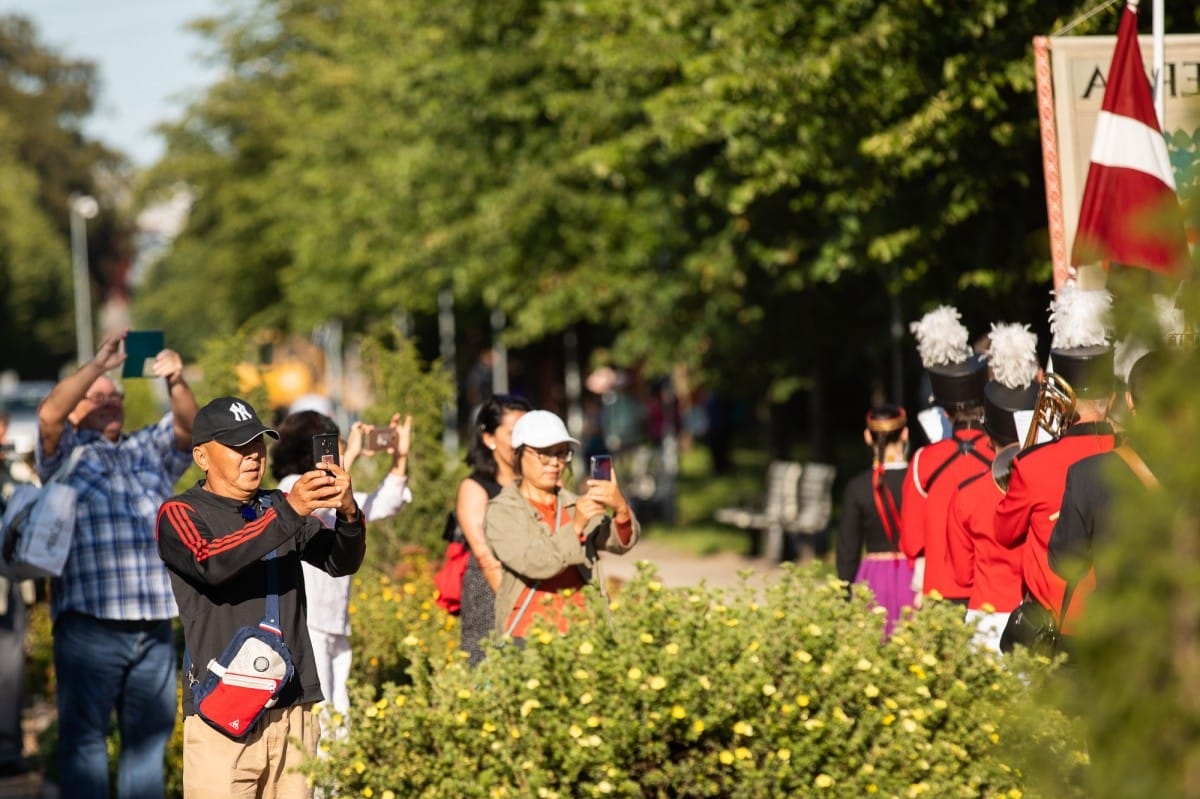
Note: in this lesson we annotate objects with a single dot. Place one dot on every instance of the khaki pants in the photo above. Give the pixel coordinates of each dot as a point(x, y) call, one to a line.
point(261, 766)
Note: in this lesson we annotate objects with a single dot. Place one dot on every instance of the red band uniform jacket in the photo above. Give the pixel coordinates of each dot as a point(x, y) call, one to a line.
point(933, 478)
point(1025, 517)
point(991, 570)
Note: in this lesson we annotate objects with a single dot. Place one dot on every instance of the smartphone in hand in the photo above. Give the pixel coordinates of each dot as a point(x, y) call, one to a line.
point(325, 448)
point(378, 439)
point(601, 467)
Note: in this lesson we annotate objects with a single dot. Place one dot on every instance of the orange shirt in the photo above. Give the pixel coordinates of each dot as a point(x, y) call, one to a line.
point(548, 601)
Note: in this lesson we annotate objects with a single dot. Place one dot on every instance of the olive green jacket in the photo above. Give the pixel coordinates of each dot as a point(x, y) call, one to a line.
point(530, 552)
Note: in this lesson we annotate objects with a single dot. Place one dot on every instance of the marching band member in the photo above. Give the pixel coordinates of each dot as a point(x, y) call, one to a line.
point(957, 379)
point(1081, 355)
point(992, 571)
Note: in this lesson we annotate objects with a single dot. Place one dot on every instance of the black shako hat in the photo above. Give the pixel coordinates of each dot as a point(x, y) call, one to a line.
point(999, 404)
point(1088, 370)
point(959, 384)
point(229, 421)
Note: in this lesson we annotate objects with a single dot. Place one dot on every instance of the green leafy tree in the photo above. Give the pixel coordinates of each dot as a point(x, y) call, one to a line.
point(719, 185)
point(45, 97)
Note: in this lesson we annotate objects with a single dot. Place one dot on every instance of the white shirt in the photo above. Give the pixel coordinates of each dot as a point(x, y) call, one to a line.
point(329, 597)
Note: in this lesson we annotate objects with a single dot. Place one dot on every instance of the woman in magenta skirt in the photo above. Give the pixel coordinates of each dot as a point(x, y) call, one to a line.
point(868, 542)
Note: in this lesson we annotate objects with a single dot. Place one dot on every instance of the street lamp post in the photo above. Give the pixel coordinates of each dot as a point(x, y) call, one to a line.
point(83, 208)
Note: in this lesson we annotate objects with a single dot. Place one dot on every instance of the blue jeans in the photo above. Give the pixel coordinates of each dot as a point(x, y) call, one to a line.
point(104, 666)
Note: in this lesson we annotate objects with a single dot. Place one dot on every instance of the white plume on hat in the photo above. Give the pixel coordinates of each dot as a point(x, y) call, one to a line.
point(1079, 317)
point(1012, 355)
point(1171, 322)
point(941, 337)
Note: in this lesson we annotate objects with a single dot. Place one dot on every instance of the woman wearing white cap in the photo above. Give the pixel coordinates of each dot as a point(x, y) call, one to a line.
point(546, 536)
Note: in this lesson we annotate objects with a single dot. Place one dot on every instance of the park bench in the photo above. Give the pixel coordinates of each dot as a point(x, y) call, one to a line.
point(798, 502)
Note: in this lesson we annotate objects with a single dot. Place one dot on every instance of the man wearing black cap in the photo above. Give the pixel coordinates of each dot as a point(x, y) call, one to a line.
point(213, 539)
point(1026, 515)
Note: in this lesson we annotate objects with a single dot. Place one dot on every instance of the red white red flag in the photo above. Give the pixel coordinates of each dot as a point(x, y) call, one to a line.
point(1130, 212)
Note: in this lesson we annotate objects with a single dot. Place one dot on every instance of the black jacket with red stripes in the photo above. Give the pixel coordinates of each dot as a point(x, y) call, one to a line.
point(215, 558)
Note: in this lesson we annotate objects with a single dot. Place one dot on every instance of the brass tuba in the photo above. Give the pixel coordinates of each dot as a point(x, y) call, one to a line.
point(1054, 410)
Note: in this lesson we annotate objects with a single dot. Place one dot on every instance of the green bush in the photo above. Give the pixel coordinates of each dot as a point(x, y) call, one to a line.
point(700, 692)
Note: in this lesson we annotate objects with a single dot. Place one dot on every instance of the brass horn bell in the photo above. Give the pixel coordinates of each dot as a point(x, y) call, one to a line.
point(1054, 410)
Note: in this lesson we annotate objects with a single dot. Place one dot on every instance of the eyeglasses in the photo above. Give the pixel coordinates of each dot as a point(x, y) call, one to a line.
point(104, 399)
point(563, 456)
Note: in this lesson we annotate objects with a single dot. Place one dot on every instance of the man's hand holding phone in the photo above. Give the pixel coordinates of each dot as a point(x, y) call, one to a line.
point(326, 486)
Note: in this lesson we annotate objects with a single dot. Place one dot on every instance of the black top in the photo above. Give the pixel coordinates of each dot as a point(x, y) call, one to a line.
point(860, 525)
point(215, 559)
point(1085, 522)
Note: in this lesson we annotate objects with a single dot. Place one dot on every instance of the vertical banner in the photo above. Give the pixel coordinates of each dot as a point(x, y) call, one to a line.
point(1072, 72)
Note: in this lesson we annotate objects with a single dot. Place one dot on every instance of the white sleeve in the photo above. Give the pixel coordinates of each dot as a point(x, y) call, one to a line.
point(385, 501)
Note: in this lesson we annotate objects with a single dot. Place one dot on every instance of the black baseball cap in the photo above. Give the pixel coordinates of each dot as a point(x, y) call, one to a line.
point(229, 421)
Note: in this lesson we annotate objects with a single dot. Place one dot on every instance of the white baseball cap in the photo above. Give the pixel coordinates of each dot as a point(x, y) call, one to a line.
point(540, 429)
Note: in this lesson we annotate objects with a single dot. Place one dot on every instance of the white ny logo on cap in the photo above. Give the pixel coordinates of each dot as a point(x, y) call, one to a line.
point(240, 412)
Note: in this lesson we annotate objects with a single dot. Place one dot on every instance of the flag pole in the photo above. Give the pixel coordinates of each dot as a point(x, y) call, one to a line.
point(1159, 32)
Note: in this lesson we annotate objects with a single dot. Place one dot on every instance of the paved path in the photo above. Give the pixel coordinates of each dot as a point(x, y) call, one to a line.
point(677, 568)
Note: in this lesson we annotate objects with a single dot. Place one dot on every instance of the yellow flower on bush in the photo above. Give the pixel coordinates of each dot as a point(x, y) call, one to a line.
point(585, 698)
point(411, 640)
point(582, 674)
point(359, 767)
point(803, 656)
point(871, 691)
point(678, 712)
point(742, 753)
point(528, 706)
point(646, 638)
point(586, 648)
point(768, 690)
point(574, 731)
point(672, 648)
point(698, 726)
point(863, 665)
point(705, 683)
point(784, 754)
point(488, 727)
point(367, 791)
point(532, 683)
point(803, 700)
point(593, 721)
point(634, 674)
point(887, 720)
point(389, 794)
point(545, 638)
point(654, 586)
point(658, 683)
point(726, 757)
point(823, 781)
point(813, 629)
point(742, 728)
point(463, 693)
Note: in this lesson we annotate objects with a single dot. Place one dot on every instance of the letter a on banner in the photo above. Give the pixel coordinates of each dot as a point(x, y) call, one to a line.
point(1130, 213)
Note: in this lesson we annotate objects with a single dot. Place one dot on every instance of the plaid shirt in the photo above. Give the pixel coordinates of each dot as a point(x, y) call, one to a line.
point(114, 570)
